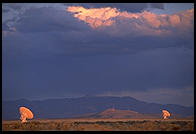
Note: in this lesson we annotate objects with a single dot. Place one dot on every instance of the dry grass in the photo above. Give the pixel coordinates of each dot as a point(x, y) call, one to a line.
point(100, 125)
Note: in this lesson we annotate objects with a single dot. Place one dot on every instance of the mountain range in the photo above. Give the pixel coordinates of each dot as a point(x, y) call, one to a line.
point(92, 107)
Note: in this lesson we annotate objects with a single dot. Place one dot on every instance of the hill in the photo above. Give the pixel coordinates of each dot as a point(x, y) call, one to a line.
point(116, 113)
point(75, 107)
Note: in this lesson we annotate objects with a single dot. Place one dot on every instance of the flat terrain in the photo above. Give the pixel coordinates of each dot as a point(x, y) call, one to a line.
point(100, 125)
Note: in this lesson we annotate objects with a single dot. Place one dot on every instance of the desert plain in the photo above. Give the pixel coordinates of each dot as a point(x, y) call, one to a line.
point(100, 125)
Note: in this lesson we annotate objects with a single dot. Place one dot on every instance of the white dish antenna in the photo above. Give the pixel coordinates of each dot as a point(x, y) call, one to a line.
point(25, 114)
point(166, 114)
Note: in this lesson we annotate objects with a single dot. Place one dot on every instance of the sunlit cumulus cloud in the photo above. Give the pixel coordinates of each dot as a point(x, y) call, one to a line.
point(95, 17)
point(144, 23)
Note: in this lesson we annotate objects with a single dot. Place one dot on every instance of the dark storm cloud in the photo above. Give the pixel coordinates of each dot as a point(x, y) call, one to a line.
point(58, 32)
point(48, 20)
point(165, 68)
point(5, 27)
point(5, 10)
point(51, 53)
point(133, 7)
point(157, 5)
point(13, 11)
point(12, 6)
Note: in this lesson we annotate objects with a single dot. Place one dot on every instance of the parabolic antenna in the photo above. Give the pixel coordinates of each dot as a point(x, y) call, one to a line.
point(166, 114)
point(25, 114)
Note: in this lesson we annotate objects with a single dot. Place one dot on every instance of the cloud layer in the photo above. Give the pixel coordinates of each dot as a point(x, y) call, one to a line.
point(49, 51)
point(144, 23)
point(133, 7)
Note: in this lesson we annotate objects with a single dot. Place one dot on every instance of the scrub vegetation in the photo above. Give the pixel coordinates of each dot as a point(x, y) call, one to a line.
point(100, 125)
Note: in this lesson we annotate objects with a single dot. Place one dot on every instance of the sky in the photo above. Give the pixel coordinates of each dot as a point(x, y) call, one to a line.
point(142, 50)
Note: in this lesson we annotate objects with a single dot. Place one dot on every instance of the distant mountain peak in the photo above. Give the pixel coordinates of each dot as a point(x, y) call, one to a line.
point(92, 107)
point(118, 111)
point(110, 110)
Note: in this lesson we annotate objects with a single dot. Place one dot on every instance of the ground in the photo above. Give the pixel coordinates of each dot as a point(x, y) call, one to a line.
point(100, 125)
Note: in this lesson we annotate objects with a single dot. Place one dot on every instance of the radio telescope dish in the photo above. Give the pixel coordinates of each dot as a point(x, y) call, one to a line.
point(25, 114)
point(166, 114)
